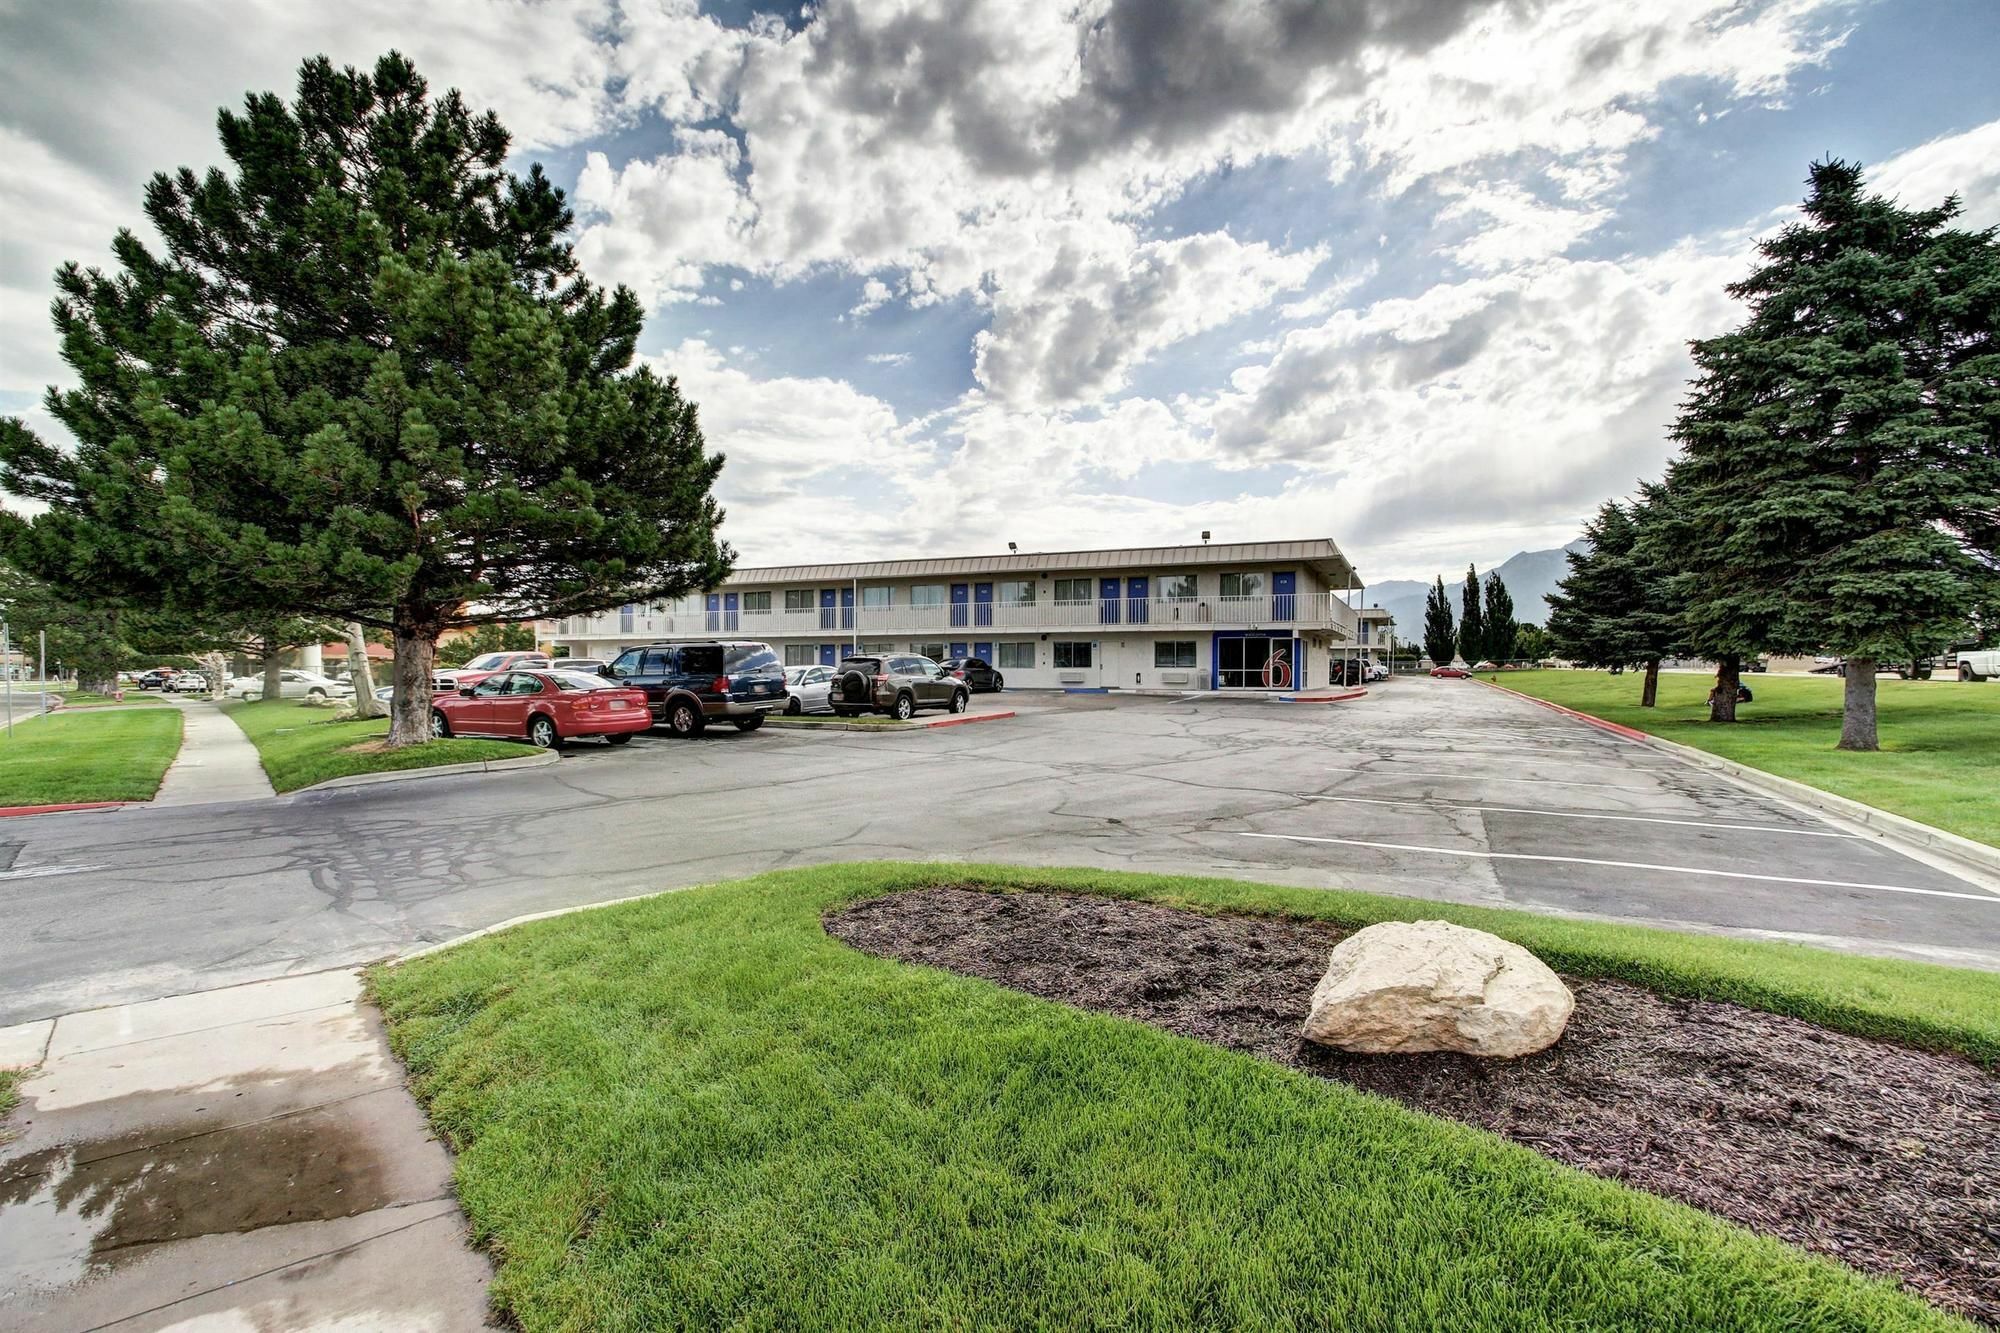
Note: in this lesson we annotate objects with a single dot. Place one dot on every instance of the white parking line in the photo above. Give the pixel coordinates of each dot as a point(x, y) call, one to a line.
point(1579, 814)
point(1627, 865)
point(36, 872)
point(1393, 771)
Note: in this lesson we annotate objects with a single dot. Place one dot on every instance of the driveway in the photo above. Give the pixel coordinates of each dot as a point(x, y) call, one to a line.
point(1431, 789)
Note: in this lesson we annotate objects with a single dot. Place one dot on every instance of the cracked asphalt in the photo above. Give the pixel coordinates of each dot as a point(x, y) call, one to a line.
point(1431, 789)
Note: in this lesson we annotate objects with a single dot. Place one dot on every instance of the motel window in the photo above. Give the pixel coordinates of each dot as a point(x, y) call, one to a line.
point(877, 649)
point(927, 594)
point(757, 601)
point(1075, 590)
point(1019, 656)
point(1073, 656)
point(1242, 585)
point(933, 650)
point(799, 599)
point(1015, 592)
point(1173, 653)
point(1177, 586)
point(878, 599)
point(801, 654)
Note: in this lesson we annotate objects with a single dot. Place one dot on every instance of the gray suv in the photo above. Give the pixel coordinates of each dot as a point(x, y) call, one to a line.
point(897, 685)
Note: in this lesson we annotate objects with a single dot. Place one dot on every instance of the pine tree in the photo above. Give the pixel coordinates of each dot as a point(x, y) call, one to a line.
point(1499, 616)
point(1471, 620)
point(364, 381)
point(1440, 638)
point(1613, 608)
point(1840, 452)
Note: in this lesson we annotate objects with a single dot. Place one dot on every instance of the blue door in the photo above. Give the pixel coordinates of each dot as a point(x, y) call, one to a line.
point(729, 605)
point(961, 596)
point(1107, 601)
point(826, 605)
point(829, 654)
point(1135, 601)
point(984, 652)
point(1284, 596)
point(714, 618)
point(958, 650)
point(847, 608)
point(982, 604)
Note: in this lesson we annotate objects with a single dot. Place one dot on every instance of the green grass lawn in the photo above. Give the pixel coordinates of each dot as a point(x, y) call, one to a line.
point(300, 745)
point(87, 699)
point(1940, 739)
point(115, 756)
point(699, 1110)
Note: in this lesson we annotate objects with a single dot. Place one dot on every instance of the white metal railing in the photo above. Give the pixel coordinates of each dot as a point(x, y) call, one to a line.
point(1274, 610)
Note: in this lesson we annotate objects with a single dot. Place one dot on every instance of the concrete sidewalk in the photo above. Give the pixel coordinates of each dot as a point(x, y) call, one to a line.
point(217, 762)
point(244, 1158)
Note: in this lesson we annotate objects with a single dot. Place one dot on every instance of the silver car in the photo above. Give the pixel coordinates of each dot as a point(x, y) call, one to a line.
point(292, 684)
point(809, 687)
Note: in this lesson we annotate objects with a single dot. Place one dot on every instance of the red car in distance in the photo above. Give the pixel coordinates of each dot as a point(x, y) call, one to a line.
point(1450, 672)
point(545, 708)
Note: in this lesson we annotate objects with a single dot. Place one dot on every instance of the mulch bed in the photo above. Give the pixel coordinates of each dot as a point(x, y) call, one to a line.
point(1883, 1157)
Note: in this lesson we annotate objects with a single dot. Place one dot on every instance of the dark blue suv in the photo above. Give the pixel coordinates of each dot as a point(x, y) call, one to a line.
point(688, 685)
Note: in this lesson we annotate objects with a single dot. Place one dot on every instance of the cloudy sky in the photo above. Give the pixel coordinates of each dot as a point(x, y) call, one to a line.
point(1417, 277)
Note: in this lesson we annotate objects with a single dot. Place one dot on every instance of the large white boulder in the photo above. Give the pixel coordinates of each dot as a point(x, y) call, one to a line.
point(1431, 986)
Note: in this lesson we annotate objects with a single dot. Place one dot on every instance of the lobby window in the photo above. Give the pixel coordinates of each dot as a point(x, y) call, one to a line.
point(1174, 653)
point(799, 599)
point(1018, 656)
point(757, 602)
point(1177, 586)
point(1072, 656)
point(1242, 585)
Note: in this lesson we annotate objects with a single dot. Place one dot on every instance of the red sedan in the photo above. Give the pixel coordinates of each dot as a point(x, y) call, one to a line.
point(1450, 672)
point(545, 707)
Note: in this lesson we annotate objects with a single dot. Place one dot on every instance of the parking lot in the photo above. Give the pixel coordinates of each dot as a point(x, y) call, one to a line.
point(1434, 789)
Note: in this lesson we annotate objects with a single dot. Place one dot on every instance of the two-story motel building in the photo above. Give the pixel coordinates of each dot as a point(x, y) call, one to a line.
point(1243, 615)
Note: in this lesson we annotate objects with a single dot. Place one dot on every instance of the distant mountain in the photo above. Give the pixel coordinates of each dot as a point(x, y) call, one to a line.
point(1530, 577)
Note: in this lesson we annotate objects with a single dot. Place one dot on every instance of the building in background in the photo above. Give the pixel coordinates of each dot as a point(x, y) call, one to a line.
point(1229, 616)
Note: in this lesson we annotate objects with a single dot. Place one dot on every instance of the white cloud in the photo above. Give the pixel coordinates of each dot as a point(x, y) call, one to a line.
point(1967, 165)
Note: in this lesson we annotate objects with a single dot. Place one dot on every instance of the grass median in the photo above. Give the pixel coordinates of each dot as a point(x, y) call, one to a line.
point(1940, 739)
point(300, 745)
point(106, 756)
point(699, 1109)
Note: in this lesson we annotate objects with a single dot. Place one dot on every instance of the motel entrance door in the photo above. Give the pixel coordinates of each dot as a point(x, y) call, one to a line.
point(1256, 662)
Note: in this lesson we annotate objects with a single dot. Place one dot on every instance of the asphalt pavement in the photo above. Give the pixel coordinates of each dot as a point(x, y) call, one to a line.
point(1433, 789)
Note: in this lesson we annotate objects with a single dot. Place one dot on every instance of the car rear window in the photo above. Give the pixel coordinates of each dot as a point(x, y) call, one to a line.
point(750, 657)
point(701, 659)
point(860, 663)
point(578, 680)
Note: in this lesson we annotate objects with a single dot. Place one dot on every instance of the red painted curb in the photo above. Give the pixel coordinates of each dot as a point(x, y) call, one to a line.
point(967, 719)
point(1617, 729)
point(1322, 698)
point(7, 810)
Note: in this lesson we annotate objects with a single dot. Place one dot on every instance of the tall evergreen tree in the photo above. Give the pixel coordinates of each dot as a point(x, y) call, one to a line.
point(1440, 636)
point(1499, 615)
point(1471, 620)
point(1841, 448)
point(1613, 608)
point(366, 381)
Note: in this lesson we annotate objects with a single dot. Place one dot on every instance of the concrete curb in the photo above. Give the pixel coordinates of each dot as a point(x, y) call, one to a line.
point(1322, 698)
point(8, 812)
point(541, 759)
point(890, 728)
point(1937, 841)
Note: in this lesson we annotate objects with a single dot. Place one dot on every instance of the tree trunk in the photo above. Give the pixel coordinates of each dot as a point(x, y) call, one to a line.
point(274, 666)
point(416, 652)
point(361, 673)
point(1728, 679)
point(1650, 696)
point(1857, 712)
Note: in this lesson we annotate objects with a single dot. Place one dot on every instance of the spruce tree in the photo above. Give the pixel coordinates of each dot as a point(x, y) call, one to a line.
point(1471, 620)
point(1613, 608)
point(1440, 637)
point(366, 381)
point(1841, 450)
point(1499, 615)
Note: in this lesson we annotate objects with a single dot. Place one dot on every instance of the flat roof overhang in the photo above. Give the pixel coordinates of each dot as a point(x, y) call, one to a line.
point(1318, 554)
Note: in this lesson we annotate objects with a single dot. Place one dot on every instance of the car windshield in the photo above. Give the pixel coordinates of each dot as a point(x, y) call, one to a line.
point(580, 680)
point(749, 657)
point(793, 675)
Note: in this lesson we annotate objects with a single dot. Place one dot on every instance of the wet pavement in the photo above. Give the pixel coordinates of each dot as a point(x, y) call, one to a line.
point(243, 1158)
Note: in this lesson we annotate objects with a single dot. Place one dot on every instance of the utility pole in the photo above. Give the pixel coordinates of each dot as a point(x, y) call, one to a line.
point(7, 666)
point(42, 664)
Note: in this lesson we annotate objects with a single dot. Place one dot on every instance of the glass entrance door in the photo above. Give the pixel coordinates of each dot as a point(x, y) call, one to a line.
point(1254, 662)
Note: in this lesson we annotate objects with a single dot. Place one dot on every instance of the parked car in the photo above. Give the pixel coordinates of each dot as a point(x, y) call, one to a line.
point(446, 679)
point(187, 682)
point(545, 708)
point(157, 678)
point(898, 685)
point(1450, 672)
point(1978, 663)
point(292, 684)
point(808, 686)
point(1376, 671)
point(594, 664)
point(977, 673)
point(689, 685)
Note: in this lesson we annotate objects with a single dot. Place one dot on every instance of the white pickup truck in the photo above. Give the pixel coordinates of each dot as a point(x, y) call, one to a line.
point(1978, 663)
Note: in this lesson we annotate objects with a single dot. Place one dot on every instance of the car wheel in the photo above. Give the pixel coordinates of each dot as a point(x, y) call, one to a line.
point(906, 708)
point(683, 718)
point(1964, 672)
point(999, 683)
point(440, 725)
point(618, 739)
point(316, 696)
point(793, 707)
point(542, 733)
point(959, 700)
point(748, 723)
